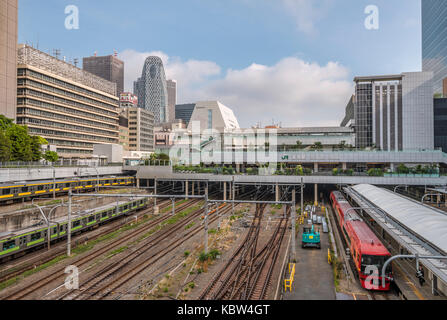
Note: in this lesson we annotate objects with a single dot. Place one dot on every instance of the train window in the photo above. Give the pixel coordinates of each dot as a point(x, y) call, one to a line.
point(346, 235)
point(76, 223)
point(9, 245)
point(54, 230)
point(104, 214)
point(6, 191)
point(35, 236)
point(91, 218)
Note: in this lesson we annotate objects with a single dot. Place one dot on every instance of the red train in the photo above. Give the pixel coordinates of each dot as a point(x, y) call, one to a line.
point(367, 251)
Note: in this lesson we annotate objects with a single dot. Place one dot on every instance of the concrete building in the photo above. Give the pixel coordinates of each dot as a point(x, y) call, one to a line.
point(151, 89)
point(8, 57)
point(394, 112)
point(184, 112)
point(71, 108)
point(434, 41)
point(140, 124)
point(107, 67)
point(172, 98)
point(213, 115)
point(141, 129)
point(113, 153)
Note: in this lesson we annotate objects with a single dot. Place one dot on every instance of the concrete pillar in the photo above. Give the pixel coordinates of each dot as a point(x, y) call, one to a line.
point(315, 167)
point(224, 190)
point(238, 167)
point(316, 194)
point(193, 185)
point(277, 192)
point(392, 167)
point(186, 189)
point(138, 183)
point(438, 202)
point(344, 166)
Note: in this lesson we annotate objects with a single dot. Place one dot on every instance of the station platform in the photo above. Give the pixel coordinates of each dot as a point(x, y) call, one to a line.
point(314, 278)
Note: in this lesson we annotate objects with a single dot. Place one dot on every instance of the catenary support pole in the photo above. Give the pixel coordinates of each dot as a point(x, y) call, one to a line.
point(69, 223)
point(293, 218)
point(206, 221)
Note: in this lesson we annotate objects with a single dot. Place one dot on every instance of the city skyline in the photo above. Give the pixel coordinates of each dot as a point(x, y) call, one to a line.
point(286, 42)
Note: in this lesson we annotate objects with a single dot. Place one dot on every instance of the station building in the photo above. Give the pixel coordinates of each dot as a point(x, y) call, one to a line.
point(69, 107)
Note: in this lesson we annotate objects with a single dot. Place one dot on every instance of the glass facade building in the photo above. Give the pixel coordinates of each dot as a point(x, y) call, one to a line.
point(440, 111)
point(184, 112)
point(394, 112)
point(151, 89)
point(434, 41)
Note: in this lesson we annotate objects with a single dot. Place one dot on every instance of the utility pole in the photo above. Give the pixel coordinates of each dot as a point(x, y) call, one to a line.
point(206, 220)
point(302, 201)
point(69, 223)
point(54, 182)
point(232, 197)
point(293, 224)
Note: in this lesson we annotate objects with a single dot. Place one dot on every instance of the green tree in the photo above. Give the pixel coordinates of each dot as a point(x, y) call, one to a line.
point(5, 147)
point(51, 156)
point(317, 146)
point(36, 147)
point(21, 149)
point(299, 145)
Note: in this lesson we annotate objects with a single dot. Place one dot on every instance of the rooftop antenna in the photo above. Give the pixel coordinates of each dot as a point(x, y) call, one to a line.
point(75, 62)
point(56, 53)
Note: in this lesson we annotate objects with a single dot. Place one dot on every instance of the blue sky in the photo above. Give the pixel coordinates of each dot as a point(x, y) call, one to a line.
point(213, 47)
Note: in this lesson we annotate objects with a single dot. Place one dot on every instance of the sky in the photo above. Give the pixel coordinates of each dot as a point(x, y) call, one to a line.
point(284, 61)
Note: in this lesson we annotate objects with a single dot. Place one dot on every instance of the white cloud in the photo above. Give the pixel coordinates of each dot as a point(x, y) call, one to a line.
point(292, 91)
point(307, 12)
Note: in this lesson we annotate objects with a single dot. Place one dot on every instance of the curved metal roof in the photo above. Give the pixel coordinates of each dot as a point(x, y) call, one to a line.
point(429, 223)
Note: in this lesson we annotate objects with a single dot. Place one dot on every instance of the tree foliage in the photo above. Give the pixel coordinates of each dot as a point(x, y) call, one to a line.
point(16, 144)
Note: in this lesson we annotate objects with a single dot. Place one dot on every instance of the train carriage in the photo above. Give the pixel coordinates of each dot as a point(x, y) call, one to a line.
point(11, 192)
point(18, 242)
point(367, 251)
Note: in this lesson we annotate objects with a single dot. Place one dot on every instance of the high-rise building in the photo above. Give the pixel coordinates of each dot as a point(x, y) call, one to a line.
point(184, 112)
point(71, 108)
point(434, 41)
point(140, 124)
point(348, 120)
point(394, 112)
point(151, 89)
point(172, 98)
point(107, 67)
point(440, 123)
point(8, 57)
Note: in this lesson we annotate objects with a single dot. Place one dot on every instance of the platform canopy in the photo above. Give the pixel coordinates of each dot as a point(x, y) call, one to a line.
point(427, 222)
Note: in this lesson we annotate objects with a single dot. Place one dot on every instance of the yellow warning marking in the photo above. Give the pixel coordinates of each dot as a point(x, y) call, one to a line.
point(7, 196)
point(24, 194)
point(42, 191)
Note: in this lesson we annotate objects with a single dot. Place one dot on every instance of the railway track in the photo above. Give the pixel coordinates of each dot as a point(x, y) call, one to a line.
point(107, 280)
point(248, 273)
point(84, 260)
point(35, 259)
